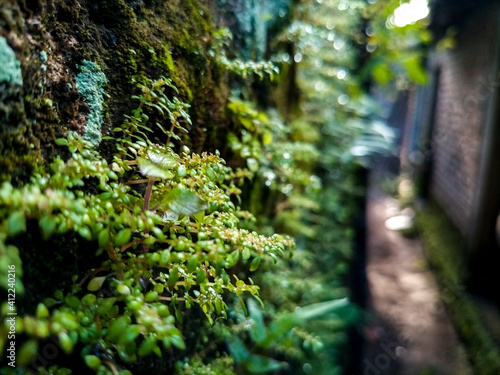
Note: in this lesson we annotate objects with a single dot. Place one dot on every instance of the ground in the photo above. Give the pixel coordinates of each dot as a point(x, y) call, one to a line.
point(409, 331)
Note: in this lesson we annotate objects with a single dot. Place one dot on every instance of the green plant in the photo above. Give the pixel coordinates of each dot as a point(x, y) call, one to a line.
point(264, 337)
point(396, 51)
point(166, 249)
point(446, 253)
point(222, 40)
point(135, 129)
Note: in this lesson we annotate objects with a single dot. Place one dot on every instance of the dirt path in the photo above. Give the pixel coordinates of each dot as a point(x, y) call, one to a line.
point(409, 331)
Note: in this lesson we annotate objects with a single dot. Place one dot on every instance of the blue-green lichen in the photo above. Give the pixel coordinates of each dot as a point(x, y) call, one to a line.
point(43, 56)
point(11, 67)
point(89, 83)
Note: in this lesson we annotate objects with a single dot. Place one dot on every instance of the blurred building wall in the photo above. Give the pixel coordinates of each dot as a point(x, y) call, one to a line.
point(452, 137)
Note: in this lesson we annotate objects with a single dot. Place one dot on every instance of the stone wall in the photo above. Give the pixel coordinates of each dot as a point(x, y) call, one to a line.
point(466, 81)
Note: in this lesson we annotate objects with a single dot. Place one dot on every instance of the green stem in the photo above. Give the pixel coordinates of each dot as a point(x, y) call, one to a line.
point(171, 131)
point(147, 196)
point(145, 207)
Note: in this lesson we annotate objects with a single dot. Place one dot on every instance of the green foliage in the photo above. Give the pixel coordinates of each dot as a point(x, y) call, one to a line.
point(173, 254)
point(255, 132)
point(396, 52)
point(153, 98)
point(240, 67)
point(90, 82)
point(446, 253)
point(310, 171)
point(168, 249)
point(195, 366)
point(265, 338)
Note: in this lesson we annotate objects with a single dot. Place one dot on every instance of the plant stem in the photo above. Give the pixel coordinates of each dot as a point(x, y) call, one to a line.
point(171, 131)
point(147, 196)
point(145, 207)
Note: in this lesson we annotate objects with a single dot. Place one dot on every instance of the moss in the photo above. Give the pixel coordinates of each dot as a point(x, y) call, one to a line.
point(444, 244)
point(447, 256)
point(168, 59)
point(17, 167)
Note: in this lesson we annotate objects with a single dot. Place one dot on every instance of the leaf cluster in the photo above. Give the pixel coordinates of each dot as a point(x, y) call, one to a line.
point(167, 248)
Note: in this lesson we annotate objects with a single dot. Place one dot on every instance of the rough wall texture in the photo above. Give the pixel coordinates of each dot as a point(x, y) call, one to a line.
point(466, 82)
point(129, 42)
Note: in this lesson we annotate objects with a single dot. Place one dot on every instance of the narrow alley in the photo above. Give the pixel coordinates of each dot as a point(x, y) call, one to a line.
point(408, 330)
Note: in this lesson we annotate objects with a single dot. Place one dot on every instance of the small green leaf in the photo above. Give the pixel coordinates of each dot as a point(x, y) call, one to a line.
point(181, 171)
point(192, 263)
point(238, 350)
point(27, 352)
point(72, 302)
point(112, 175)
point(61, 142)
point(182, 201)
point(96, 283)
point(130, 334)
point(178, 342)
point(149, 241)
point(42, 312)
point(245, 254)
point(258, 330)
point(232, 259)
point(85, 232)
point(123, 290)
point(65, 342)
point(147, 346)
point(103, 237)
point(173, 276)
point(49, 302)
point(218, 306)
point(267, 138)
point(157, 165)
point(255, 263)
point(199, 217)
point(123, 237)
point(92, 361)
point(382, 74)
point(211, 174)
point(47, 225)
point(252, 164)
point(151, 296)
point(89, 299)
point(16, 223)
point(201, 276)
point(117, 328)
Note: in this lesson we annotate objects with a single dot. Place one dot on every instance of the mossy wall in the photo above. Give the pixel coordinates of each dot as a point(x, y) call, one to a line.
point(49, 42)
point(446, 252)
point(95, 67)
point(75, 66)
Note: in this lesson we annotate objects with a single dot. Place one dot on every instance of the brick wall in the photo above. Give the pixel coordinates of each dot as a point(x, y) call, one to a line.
point(466, 82)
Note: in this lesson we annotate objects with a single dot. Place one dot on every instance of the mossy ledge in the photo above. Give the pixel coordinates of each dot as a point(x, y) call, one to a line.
point(446, 254)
